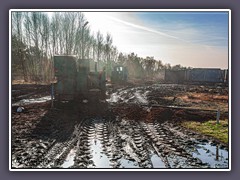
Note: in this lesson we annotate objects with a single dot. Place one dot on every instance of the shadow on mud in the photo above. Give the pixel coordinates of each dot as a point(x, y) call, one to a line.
point(59, 122)
point(27, 91)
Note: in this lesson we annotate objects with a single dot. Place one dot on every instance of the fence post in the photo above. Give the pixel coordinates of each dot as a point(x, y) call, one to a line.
point(217, 153)
point(52, 93)
point(218, 115)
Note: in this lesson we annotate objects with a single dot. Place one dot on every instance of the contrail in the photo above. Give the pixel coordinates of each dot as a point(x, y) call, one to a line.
point(146, 29)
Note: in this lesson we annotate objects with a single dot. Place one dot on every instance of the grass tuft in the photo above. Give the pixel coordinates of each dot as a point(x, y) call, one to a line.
point(210, 128)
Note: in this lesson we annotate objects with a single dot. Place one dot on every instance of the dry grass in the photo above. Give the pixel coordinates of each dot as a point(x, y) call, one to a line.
point(198, 97)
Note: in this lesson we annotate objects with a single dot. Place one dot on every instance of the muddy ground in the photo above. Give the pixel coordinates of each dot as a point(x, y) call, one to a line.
point(136, 127)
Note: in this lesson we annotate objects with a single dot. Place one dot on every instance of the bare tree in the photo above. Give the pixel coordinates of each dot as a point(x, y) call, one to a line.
point(86, 41)
point(114, 54)
point(78, 35)
point(17, 20)
point(36, 38)
point(99, 45)
point(107, 49)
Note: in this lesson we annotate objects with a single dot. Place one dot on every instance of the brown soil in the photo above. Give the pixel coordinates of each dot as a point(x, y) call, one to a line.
point(39, 128)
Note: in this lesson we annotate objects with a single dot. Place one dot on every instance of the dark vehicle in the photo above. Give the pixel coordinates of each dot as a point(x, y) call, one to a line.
point(74, 79)
point(119, 74)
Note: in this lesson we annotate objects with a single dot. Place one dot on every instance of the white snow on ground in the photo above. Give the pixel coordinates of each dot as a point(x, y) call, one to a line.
point(32, 101)
point(140, 98)
point(113, 98)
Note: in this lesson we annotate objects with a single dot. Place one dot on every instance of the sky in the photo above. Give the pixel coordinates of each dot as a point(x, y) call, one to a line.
point(195, 39)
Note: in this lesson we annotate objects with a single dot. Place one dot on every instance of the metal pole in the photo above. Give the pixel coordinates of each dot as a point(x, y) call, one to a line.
point(52, 92)
point(218, 115)
point(217, 153)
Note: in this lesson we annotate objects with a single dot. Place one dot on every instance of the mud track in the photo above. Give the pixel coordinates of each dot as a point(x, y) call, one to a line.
point(129, 130)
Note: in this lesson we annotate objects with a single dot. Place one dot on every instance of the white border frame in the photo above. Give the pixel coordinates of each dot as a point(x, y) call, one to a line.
point(121, 10)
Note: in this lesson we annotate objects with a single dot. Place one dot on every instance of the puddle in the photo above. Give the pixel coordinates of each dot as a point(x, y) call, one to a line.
point(100, 160)
point(32, 101)
point(70, 159)
point(176, 161)
point(213, 155)
point(124, 163)
point(157, 162)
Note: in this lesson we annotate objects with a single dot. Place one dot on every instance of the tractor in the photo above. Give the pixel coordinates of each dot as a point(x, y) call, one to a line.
point(119, 74)
point(76, 80)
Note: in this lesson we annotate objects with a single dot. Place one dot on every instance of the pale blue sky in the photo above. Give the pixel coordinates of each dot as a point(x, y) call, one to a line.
point(211, 28)
point(197, 39)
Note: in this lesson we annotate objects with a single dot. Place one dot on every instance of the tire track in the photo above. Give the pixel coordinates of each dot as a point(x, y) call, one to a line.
point(57, 153)
point(156, 140)
point(170, 147)
point(133, 152)
point(119, 143)
point(83, 155)
point(93, 151)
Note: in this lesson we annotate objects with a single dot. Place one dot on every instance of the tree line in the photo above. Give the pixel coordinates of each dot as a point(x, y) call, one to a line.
point(37, 37)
